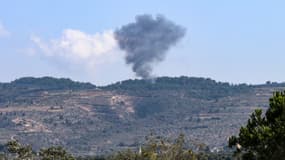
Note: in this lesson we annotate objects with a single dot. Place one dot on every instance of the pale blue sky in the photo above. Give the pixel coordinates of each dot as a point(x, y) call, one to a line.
point(240, 41)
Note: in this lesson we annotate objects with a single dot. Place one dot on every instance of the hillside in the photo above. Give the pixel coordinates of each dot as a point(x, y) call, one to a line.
point(27, 85)
point(87, 119)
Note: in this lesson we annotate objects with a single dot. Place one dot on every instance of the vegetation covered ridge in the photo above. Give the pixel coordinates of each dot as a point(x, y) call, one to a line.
point(46, 83)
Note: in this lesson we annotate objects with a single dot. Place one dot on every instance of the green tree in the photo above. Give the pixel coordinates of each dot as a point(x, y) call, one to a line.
point(22, 152)
point(158, 149)
point(263, 137)
point(55, 153)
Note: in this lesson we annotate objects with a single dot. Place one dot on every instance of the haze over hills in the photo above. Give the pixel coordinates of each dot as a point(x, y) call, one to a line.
point(89, 119)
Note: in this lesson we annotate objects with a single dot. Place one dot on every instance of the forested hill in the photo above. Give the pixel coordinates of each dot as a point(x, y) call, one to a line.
point(46, 83)
point(160, 83)
point(197, 87)
point(30, 85)
point(204, 88)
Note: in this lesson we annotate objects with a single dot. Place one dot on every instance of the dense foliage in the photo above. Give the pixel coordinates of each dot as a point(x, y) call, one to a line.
point(155, 149)
point(55, 153)
point(197, 87)
point(9, 91)
point(264, 136)
point(18, 151)
point(158, 150)
point(49, 83)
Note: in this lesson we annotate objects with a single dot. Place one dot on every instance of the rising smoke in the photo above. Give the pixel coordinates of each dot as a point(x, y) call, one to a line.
point(146, 42)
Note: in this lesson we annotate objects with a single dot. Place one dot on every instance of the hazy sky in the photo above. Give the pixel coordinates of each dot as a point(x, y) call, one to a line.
point(234, 41)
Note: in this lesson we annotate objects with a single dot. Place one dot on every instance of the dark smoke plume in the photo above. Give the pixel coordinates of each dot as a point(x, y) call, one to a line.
point(146, 41)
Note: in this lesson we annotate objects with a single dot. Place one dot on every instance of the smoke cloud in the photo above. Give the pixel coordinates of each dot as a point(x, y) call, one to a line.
point(146, 42)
